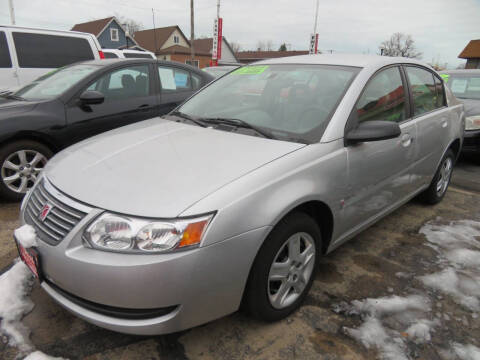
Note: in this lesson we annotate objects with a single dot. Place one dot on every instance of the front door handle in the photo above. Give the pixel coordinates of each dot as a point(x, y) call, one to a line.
point(444, 123)
point(406, 140)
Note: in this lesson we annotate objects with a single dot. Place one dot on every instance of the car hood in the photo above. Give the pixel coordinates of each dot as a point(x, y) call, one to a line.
point(472, 107)
point(11, 107)
point(158, 168)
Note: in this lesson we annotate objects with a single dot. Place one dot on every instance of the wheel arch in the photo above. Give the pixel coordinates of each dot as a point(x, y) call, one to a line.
point(32, 136)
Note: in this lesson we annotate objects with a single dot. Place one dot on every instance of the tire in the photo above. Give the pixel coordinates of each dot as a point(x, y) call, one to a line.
point(263, 298)
point(18, 172)
point(439, 185)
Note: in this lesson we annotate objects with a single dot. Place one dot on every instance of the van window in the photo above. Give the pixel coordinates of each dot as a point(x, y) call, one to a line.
point(5, 61)
point(423, 90)
point(50, 51)
point(137, 55)
point(109, 55)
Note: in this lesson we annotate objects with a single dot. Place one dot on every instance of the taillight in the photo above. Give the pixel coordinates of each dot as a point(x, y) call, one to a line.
point(101, 54)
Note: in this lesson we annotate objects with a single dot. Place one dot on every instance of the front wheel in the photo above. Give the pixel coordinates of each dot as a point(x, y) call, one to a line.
point(284, 268)
point(20, 164)
point(437, 189)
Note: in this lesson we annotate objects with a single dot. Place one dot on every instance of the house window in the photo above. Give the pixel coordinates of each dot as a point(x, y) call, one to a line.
point(114, 34)
point(195, 63)
point(176, 39)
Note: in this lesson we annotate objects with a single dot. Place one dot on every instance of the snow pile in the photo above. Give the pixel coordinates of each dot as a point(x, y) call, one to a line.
point(15, 284)
point(405, 312)
point(38, 355)
point(459, 255)
point(26, 236)
point(391, 324)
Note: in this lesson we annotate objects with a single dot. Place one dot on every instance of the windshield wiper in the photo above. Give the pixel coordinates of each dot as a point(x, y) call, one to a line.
point(12, 96)
point(240, 123)
point(188, 117)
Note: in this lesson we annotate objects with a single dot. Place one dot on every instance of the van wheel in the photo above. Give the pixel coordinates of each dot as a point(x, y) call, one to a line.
point(284, 268)
point(437, 189)
point(20, 164)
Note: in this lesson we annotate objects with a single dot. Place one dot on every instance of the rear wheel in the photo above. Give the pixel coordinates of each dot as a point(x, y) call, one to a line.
point(437, 189)
point(20, 164)
point(284, 268)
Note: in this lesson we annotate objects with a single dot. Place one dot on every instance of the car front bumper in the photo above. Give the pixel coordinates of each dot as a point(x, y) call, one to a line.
point(471, 142)
point(149, 294)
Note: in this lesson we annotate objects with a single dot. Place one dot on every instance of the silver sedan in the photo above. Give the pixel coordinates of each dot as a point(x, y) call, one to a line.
point(233, 197)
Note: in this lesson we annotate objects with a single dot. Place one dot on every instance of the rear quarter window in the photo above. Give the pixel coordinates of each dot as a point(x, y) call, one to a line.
point(5, 61)
point(142, 56)
point(50, 51)
point(109, 55)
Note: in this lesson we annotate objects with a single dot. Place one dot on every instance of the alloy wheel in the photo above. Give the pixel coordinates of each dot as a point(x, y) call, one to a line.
point(291, 270)
point(21, 168)
point(445, 173)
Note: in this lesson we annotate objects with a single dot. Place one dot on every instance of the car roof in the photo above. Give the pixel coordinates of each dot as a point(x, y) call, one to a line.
point(113, 62)
point(355, 60)
point(461, 71)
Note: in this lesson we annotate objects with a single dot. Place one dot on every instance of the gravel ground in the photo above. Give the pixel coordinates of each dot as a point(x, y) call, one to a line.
point(388, 259)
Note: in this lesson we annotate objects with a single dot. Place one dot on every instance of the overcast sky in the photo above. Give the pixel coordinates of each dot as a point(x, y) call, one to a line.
point(440, 28)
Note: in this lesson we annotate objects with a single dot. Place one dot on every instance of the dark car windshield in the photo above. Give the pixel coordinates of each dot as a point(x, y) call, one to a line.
point(290, 101)
point(55, 82)
point(464, 86)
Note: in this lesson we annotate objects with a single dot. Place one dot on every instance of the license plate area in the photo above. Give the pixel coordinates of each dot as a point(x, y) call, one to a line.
point(31, 258)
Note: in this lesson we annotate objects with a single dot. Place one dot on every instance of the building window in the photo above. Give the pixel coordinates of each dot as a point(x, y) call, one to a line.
point(176, 39)
point(114, 34)
point(195, 63)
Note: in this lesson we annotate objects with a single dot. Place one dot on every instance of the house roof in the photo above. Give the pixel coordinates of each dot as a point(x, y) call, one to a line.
point(146, 38)
point(178, 49)
point(206, 45)
point(260, 55)
point(93, 27)
point(472, 50)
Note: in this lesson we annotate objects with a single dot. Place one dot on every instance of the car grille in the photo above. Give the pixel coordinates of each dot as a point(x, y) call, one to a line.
point(51, 218)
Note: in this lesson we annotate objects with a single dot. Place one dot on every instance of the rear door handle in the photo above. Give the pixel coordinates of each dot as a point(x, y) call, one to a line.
point(406, 140)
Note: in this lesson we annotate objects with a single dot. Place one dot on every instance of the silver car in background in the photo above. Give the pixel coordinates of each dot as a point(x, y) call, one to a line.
point(232, 198)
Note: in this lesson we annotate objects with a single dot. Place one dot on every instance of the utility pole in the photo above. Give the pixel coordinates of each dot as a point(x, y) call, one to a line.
point(192, 32)
point(154, 33)
point(12, 12)
point(314, 36)
point(218, 9)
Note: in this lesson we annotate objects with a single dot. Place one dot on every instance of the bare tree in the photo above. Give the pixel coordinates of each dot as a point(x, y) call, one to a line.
point(265, 45)
point(400, 44)
point(236, 47)
point(130, 25)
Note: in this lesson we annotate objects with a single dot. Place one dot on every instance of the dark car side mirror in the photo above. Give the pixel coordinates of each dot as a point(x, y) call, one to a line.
point(91, 97)
point(373, 131)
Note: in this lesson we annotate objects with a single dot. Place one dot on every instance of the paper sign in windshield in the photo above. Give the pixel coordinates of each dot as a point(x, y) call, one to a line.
point(251, 70)
point(445, 77)
point(459, 85)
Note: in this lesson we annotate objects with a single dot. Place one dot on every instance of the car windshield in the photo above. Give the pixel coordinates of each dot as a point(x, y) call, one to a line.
point(464, 86)
point(290, 101)
point(55, 82)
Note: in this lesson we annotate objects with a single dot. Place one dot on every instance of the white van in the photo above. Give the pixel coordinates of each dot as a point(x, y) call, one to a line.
point(127, 53)
point(27, 53)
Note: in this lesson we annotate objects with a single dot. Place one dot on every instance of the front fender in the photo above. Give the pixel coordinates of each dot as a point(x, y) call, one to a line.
point(264, 196)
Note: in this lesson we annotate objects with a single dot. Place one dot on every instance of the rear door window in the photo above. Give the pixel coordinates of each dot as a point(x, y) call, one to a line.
point(174, 79)
point(110, 55)
point(50, 51)
point(423, 90)
point(5, 61)
point(383, 98)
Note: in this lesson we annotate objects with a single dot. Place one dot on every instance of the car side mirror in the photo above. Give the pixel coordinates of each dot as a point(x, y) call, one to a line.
point(373, 131)
point(91, 97)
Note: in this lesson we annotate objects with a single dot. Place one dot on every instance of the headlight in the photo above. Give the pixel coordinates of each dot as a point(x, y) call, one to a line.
point(129, 234)
point(472, 122)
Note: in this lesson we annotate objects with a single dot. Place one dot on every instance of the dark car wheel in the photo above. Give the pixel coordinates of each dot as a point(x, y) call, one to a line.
point(437, 189)
point(20, 164)
point(284, 268)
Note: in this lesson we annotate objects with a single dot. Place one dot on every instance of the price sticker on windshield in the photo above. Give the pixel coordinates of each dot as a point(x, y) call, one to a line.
point(445, 77)
point(251, 70)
